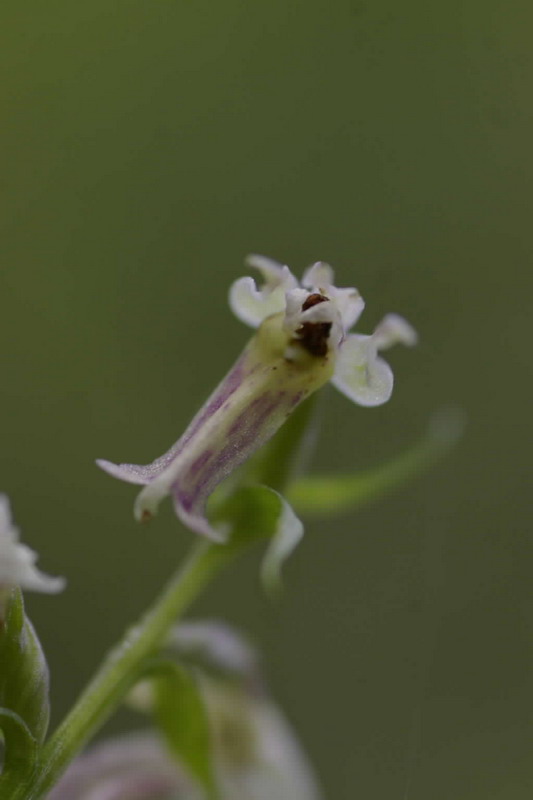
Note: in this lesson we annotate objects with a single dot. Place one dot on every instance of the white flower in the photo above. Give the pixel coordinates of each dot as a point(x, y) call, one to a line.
point(257, 754)
point(17, 562)
point(302, 342)
point(254, 750)
point(359, 373)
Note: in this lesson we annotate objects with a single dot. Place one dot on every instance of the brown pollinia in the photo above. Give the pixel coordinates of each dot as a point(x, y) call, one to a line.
point(313, 336)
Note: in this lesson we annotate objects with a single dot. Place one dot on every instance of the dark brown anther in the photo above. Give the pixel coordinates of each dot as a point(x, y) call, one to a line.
point(313, 300)
point(313, 336)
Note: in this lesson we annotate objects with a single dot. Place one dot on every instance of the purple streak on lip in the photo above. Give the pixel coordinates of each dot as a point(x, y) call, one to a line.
point(200, 462)
point(248, 414)
point(297, 398)
point(245, 434)
point(228, 387)
point(185, 500)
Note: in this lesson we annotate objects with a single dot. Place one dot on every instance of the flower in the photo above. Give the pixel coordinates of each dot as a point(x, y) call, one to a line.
point(136, 766)
point(17, 562)
point(252, 749)
point(256, 756)
point(302, 342)
point(360, 373)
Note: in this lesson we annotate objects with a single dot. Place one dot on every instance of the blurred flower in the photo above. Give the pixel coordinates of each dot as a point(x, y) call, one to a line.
point(134, 767)
point(255, 753)
point(302, 342)
point(218, 649)
point(17, 562)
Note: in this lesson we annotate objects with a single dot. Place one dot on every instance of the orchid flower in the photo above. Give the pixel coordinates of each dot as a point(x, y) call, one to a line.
point(17, 562)
point(302, 342)
point(253, 750)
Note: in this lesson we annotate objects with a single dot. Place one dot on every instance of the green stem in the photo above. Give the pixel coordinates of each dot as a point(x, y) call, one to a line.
point(126, 662)
point(122, 668)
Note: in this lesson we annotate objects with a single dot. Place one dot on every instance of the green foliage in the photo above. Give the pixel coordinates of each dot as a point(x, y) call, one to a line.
point(20, 749)
point(23, 669)
point(329, 494)
point(180, 714)
point(24, 702)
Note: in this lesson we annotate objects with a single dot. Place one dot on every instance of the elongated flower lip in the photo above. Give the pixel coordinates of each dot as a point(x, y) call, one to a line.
point(302, 341)
point(260, 391)
point(17, 561)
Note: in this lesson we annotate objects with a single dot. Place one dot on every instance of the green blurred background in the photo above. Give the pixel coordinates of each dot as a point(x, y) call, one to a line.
point(147, 146)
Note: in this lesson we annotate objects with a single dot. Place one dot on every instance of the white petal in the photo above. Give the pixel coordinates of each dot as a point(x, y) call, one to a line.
point(19, 570)
point(360, 374)
point(272, 271)
point(251, 304)
point(392, 330)
point(294, 301)
point(17, 561)
point(349, 302)
point(318, 276)
point(6, 528)
point(350, 305)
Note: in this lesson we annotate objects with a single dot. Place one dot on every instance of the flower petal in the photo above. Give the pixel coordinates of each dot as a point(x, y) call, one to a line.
point(350, 305)
point(360, 374)
point(273, 272)
point(294, 300)
point(18, 569)
point(394, 329)
point(251, 304)
point(349, 302)
point(318, 276)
